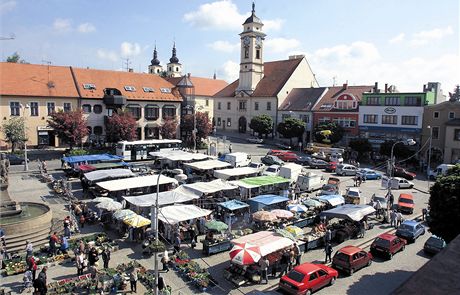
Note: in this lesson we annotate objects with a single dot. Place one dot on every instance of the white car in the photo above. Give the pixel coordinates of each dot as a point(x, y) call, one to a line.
point(403, 183)
point(272, 170)
point(255, 140)
point(259, 166)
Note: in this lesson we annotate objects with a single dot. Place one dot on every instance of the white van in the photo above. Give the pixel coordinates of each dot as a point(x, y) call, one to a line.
point(346, 169)
point(290, 171)
point(440, 170)
point(335, 157)
point(238, 159)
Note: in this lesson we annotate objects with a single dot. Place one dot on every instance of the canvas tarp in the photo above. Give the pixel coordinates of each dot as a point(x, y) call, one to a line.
point(177, 213)
point(267, 241)
point(178, 155)
point(134, 182)
point(269, 199)
point(108, 174)
point(333, 200)
point(91, 158)
point(233, 205)
point(210, 187)
point(164, 198)
point(349, 211)
point(207, 165)
point(240, 171)
point(253, 182)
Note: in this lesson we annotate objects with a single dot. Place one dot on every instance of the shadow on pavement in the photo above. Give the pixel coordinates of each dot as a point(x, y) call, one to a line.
point(376, 282)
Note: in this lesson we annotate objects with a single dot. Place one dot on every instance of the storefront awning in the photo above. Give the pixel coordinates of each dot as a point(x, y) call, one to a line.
point(135, 182)
point(233, 205)
point(349, 211)
point(164, 198)
point(210, 187)
point(177, 213)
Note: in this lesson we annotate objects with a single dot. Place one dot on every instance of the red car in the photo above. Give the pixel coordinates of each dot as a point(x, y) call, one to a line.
point(351, 258)
point(387, 244)
point(288, 157)
point(307, 278)
point(331, 167)
point(278, 152)
point(401, 172)
point(406, 203)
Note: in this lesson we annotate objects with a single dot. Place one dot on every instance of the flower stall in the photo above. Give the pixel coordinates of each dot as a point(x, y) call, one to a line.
point(192, 271)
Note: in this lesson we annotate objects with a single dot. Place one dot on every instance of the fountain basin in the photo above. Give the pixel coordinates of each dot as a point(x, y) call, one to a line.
point(32, 218)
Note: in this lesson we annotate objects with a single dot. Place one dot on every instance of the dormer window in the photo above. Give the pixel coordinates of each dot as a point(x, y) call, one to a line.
point(89, 86)
point(130, 88)
point(148, 89)
point(165, 90)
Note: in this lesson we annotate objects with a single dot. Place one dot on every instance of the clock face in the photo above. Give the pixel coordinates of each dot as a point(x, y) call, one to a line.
point(258, 41)
point(246, 40)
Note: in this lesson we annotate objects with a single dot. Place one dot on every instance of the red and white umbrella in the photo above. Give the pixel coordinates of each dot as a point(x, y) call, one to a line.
point(245, 254)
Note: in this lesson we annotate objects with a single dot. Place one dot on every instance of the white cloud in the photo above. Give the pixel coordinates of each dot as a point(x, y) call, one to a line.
point(86, 28)
point(107, 54)
point(230, 71)
point(362, 53)
point(6, 6)
point(224, 46)
point(278, 45)
point(62, 25)
point(223, 15)
point(423, 37)
point(398, 38)
point(130, 49)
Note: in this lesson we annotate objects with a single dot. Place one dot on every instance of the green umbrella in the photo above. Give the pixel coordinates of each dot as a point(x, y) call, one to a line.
point(216, 225)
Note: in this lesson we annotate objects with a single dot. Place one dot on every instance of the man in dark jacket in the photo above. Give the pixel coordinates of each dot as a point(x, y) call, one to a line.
point(40, 282)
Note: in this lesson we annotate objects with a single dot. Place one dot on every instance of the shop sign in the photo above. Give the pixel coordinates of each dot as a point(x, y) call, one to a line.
point(44, 128)
point(390, 110)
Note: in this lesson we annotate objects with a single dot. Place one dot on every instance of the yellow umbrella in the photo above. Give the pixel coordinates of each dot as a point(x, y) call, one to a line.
point(295, 230)
point(136, 221)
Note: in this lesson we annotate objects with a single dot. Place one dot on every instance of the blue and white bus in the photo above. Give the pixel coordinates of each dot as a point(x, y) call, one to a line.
point(140, 149)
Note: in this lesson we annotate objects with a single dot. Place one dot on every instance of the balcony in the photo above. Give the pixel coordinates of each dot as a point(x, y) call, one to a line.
point(114, 100)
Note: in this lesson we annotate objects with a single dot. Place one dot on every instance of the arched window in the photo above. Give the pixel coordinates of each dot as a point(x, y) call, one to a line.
point(97, 108)
point(152, 112)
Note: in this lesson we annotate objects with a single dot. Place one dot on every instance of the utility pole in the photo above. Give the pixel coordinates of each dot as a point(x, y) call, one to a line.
point(126, 63)
point(428, 168)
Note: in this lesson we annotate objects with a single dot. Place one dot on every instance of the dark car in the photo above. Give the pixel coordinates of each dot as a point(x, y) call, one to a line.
point(410, 230)
point(351, 258)
point(15, 159)
point(303, 160)
point(387, 245)
point(272, 160)
point(401, 172)
point(317, 163)
point(331, 167)
point(434, 245)
point(307, 278)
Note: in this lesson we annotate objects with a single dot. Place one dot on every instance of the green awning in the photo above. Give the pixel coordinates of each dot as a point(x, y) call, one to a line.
point(264, 180)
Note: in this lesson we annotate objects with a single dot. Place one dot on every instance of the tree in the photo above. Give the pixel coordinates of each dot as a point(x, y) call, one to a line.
point(121, 126)
point(400, 150)
point(361, 145)
point(15, 131)
point(328, 132)
point(262, 124)
point(70, 127)
point(455, 96)
point(445, 205)
point(15, 58)
point(291, 127)
point(203, 125)
point(169, 128)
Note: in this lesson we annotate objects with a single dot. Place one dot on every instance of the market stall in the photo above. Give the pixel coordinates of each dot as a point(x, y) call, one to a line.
point(267, 202)
point(304, 216)
point(235, 213)
point(332, 200)
point(89, 179)
point(236, 173)
point(349, 211)
point(192, 272)
point(175, 196)
point(72, 162)
point(254, 186)
point(203, 170)
point(215, 241)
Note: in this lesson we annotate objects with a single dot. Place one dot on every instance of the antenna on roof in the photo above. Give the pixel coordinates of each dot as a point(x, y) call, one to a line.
point(126, 62)
point(50, 84)
point(334, 79)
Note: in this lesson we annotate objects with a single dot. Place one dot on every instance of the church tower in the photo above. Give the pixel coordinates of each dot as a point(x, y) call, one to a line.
point(174, 67)
point(155, 67)
point(251, 60)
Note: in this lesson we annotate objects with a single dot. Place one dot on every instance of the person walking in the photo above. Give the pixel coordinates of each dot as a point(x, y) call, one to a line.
point(67, 224)
point(82, 221)
point(106, 257)
point(81, 246)
point(393, 218)
point(298, 254)
point(92, 256)
point(53, 241)
point(133, 276)
point(264, 264)
point(41, 284)
point(284, 263)
point(32, 263)
point(230, 148)
point(177, 242)
point(192, 233)
point(399, 219)
point(328, 236)
point(165, 261)
point(80, 262)
point(328, 251)
point(391, 200)
point(378, 209)
point(424, 213)
point(29, 249)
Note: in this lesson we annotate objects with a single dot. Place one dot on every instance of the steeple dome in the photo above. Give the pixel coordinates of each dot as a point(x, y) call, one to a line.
point(174, 58)
point(253, 18)
point(155, 61)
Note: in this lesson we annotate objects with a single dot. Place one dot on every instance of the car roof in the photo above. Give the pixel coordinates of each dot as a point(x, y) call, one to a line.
point(353, 189)
point(274, 166)
point(387, 236)
point(406, 196)
point(307, 268)
point(350, 250)
point(410, 222)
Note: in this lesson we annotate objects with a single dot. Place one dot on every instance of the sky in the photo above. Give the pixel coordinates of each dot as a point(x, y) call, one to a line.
point(402, 43)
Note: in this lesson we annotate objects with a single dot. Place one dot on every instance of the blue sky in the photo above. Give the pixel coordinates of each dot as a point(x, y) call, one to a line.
point(405, 43)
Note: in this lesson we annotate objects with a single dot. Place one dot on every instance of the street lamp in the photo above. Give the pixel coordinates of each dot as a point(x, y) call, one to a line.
point(26, 165)
point(409, 141)
point(428, 169)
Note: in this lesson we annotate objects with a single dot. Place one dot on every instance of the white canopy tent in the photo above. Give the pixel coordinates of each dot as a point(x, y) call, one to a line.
point(208, 165)
point(107, 174)
point(135, 182)
point(210, 187)
point(177, 213)
point(164, 198)
point(240, 171)
point(178, 155)
point(349, 211)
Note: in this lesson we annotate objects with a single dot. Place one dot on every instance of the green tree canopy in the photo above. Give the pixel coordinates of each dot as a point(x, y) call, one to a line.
point(169, 128)
point(121, 126)
point(323, 135)
point(262, 124)
point(70, 127)
point(361, 145)
point(445, 205)
point(400, 150)
point(15, 131)
point(203, 125)
point(15, 58)
point(291, 127)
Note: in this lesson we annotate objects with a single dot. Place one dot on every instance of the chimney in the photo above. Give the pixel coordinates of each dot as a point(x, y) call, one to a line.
point(424, 88)
point(376, 87)
point(188, 75)
point(130, 70)
point(386, 87)
point(345, 86)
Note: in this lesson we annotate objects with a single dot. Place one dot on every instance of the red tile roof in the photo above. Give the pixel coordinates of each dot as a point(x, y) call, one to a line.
point(335, 91)
point(276, 74)
point(203, 86)
point(36, 80)
point(114, 79)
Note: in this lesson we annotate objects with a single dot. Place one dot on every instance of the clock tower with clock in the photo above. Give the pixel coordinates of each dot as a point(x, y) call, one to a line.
point(251, 61)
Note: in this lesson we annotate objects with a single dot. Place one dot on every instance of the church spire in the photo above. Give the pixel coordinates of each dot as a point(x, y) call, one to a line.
point(174, 58)
point(155, 61)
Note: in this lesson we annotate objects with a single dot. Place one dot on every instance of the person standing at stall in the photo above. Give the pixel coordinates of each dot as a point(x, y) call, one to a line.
point(328, 251)
point(40, 282)
point(298, 254)
point(80, 262)
point(29, 249)
point(32, 266)
point(284, 262)
point(177, 242)
point(92, 256)
point(53, 241)
point(165, 261)
point(264, 264)
point(106, 257)
point(133, 280)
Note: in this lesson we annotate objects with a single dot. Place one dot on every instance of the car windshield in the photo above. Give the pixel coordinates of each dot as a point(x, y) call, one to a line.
point(342, 257)
point(404, 200)
point(353, 193)
point(405, 227)
point(272, 169)
point(382, 242)
point(253, 165)
point(296, 276)
point(329, 187)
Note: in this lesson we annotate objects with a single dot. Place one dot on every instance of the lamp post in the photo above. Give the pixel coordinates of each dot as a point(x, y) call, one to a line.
point(428, 168)
point(26, 165)
point(409, 141)
point(154, 222)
